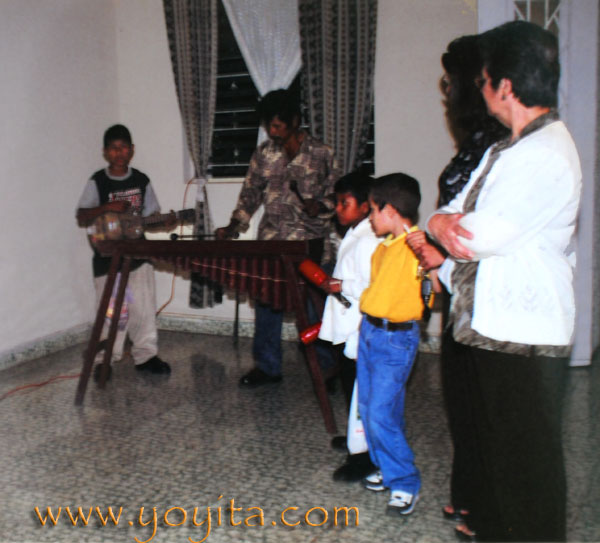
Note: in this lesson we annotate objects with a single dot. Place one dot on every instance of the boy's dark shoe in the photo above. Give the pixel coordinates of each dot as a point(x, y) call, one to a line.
point(257, 377)
point(356, 468)
point(339, 443)
point(154, 365)
point(98, 370)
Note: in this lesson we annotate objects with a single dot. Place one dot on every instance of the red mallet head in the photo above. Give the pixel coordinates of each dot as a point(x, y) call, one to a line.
point(310, 334)
point(313, 272)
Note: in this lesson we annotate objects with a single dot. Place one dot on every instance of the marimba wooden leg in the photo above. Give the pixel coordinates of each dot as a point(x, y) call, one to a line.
point(94, 343)
point(310, 351)
point(320, 389)
point(114, 321)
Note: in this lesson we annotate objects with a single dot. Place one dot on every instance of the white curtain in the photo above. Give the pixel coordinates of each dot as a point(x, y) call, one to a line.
point(269, 39)
point(268, 36)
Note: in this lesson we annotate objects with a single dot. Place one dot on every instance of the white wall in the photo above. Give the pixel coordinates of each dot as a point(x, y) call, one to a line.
point(411, 134)
point(410, 125)
point(73, 67)
point(579, 24)
point(58, 90)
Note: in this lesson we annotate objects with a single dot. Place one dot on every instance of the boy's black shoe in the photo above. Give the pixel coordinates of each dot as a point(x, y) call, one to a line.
point(339, 443)
point(154, 365)
point(356, 468)
point(98, 370)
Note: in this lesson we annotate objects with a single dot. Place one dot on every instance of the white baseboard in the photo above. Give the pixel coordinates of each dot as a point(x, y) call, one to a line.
point(80, 334)
point(45, 345)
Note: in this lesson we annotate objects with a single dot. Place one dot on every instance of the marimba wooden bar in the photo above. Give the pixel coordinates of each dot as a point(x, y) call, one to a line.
point(267, 271)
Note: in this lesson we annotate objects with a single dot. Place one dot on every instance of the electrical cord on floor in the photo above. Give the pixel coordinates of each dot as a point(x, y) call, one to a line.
point(37, 385)
point(187, 186)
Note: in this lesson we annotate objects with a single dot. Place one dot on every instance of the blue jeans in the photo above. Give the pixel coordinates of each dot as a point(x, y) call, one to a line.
point(385, 360)
point(266, 347)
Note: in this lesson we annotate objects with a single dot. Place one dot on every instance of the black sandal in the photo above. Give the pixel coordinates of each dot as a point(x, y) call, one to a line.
point(455, 516)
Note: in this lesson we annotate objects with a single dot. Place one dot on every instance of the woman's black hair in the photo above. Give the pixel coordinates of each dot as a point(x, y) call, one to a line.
point(465, 107)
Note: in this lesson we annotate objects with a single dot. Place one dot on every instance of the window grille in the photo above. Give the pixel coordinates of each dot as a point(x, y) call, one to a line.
point(236, 125)
point(541, 12)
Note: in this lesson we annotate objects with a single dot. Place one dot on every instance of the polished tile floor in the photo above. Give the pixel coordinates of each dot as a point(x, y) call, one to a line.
point(195, 440)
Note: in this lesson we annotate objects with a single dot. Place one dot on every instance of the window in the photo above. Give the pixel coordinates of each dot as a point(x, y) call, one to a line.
point(369, 158)
point(236, 125)
point(235, 130)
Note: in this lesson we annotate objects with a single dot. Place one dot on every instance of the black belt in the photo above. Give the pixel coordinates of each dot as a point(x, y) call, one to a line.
point(389, 326)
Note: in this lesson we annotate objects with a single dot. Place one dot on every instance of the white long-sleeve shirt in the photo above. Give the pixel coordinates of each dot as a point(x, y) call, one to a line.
point(353, 267)
point(522, 227)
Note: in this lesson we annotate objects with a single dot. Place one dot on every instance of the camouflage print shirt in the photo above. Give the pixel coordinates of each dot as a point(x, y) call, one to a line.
point(315, 171)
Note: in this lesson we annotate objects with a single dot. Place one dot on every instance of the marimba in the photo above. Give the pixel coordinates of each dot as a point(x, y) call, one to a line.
point(267, 271)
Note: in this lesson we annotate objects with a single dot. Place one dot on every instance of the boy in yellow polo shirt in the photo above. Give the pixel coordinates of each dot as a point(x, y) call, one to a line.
point(389, 338)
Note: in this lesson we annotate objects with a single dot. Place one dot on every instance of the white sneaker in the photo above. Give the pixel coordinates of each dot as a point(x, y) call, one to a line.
point(374, 482)
point(401, 503)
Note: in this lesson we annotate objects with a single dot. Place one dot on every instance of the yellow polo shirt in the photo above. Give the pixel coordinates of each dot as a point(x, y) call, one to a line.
point(394, 292)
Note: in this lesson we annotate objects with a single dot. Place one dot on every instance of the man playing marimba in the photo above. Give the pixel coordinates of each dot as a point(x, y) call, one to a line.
point(293, 175)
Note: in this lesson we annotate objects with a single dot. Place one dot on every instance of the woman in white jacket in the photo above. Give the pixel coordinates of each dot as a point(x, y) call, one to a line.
point(508, 234)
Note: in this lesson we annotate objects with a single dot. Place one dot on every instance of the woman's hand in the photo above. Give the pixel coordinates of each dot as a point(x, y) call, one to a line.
point(446, 229)
point(416, 239)
point(429, 256)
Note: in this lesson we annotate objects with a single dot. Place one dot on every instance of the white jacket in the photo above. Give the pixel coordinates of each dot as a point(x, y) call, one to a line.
point(353, 267)
point(522, 225)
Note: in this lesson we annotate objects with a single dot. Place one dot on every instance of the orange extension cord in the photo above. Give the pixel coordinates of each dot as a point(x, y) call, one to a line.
point(187, 186)
point(37, 385)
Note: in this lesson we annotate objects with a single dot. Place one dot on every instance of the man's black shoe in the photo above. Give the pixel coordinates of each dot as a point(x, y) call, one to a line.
point(98, 370)
point(154, 365)
point(356, 468)
point(256, 377)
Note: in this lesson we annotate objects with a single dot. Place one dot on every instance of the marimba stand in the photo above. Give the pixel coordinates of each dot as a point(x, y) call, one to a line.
point(183, 254)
